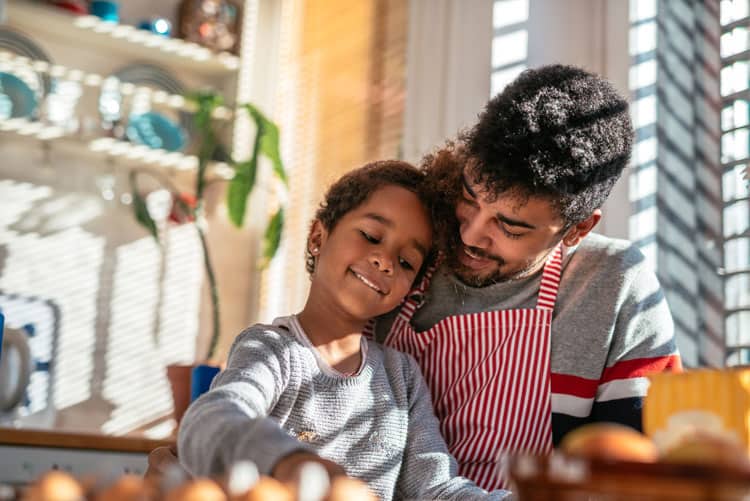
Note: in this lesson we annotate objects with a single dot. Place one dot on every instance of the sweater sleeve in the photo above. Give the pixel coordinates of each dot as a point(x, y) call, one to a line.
point(642, 343)
point(429, 471)
point(231, 421)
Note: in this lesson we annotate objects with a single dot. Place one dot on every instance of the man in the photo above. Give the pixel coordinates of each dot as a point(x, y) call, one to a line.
point(532, 325)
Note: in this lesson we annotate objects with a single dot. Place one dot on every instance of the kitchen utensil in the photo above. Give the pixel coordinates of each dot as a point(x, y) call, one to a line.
point(16, 366)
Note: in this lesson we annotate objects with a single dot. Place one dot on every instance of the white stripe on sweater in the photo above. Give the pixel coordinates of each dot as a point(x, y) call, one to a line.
point(622, 388)
point(571, 405)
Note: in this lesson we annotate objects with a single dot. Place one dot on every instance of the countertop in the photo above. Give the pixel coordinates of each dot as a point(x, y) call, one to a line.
point(70, 440)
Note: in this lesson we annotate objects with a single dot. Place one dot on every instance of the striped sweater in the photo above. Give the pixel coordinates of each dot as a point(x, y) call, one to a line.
point(611, 327)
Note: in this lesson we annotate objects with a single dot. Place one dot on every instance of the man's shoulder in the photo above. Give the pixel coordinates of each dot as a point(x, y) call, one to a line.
point(612, 253)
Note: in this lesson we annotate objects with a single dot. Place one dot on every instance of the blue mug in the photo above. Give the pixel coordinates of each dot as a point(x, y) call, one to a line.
point(200, 379)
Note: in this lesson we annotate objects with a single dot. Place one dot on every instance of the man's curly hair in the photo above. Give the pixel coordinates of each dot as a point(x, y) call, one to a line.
point(355, 187)
point(556, 132)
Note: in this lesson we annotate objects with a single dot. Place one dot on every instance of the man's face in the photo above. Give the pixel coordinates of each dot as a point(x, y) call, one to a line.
point(502, 239)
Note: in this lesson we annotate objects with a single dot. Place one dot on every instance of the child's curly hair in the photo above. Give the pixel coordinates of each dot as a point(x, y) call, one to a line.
point(556, 132)
point(355, 187)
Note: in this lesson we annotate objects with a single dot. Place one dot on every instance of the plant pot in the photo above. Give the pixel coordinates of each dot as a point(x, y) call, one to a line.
point(188, 382)
point(179, 379)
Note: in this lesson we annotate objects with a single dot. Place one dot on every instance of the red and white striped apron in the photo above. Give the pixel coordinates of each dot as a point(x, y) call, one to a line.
point(489, 376)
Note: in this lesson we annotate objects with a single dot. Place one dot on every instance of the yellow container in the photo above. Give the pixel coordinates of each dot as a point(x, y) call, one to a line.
point(724, 393)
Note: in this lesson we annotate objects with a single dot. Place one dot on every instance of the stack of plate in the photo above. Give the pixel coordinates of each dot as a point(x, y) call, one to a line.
point(166, 130)
point(22, 89)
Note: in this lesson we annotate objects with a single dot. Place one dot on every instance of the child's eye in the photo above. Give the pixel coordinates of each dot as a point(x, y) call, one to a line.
point(369, 237)
point(405, 264)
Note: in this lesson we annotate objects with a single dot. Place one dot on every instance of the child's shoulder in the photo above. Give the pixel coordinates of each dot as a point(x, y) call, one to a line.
point(276, 335)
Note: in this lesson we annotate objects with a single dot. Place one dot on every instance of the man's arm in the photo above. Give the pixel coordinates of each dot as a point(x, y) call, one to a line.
point(642, 343)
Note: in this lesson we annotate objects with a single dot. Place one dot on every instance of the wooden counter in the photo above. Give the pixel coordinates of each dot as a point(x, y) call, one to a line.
point(68, 440)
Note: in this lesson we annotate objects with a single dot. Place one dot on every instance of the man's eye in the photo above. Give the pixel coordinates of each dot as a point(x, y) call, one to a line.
point(406, 264)
point(369, 237)
point(509, 233)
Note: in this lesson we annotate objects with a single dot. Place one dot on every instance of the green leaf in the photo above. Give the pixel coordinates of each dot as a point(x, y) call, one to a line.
point(272, 237)
point(239, 189)
point(268, 135)
point(140, 209)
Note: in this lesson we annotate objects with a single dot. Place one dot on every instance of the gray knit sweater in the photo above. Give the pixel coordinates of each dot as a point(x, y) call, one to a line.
point(273, 399)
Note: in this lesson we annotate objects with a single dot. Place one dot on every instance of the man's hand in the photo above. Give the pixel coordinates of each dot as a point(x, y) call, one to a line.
point(160, 460)
point(288, 468)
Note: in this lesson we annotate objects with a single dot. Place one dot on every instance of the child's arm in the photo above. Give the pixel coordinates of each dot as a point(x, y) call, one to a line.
point(429, 471)
point(230, 422)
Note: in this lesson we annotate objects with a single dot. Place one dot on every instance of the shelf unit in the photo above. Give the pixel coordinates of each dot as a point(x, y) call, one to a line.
point(45, 21)
point(125, 40)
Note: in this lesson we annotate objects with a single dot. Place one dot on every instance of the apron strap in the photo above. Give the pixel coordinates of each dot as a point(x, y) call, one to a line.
point(550, 280)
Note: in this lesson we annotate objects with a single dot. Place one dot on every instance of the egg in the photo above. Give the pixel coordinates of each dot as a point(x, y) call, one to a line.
point(609, 441)
point(201, 489)
point(126, 488)
point(350, 489)
point(269, 489)
point(54, 486)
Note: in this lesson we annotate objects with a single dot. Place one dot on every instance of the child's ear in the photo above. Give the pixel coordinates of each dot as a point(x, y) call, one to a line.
point(316, 238)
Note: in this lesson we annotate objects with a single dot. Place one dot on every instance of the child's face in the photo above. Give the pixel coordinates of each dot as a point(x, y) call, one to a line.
point(368, 263)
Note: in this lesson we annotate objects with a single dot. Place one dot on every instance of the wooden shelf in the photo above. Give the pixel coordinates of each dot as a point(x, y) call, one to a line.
point(113, 148)
point(10, 61)
point(125, 39)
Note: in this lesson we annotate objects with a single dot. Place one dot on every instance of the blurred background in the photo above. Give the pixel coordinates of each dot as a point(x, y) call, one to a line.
point(92, 91)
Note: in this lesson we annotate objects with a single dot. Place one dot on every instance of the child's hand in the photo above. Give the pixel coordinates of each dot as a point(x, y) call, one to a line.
point(288, 468)
point(159, 461)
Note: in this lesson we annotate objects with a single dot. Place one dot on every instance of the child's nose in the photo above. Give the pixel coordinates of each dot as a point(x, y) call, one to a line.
point(382, 262)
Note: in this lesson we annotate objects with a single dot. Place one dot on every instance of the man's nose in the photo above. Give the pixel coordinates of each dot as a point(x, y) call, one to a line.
point(474, 231)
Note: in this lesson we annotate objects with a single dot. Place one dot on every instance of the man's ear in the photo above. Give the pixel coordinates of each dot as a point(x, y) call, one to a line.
point(316, 238)
point(575, 234)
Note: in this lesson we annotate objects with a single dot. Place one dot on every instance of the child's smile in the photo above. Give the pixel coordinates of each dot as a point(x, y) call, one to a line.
point(372, 282)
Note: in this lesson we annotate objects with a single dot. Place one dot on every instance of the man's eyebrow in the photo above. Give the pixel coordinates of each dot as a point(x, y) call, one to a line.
point(505, 219)
point(387, 222)
point(514, 222)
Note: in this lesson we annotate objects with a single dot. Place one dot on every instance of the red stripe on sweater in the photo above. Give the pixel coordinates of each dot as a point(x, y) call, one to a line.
point(640, 367)
point(574, 385)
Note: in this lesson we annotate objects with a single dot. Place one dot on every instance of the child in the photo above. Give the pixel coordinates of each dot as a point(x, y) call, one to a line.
point(310, 386)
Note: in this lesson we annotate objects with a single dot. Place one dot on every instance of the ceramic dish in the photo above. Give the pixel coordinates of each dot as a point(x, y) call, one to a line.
point(21, 88)
point(155, 131)
point(165, 129)
point(16, 97)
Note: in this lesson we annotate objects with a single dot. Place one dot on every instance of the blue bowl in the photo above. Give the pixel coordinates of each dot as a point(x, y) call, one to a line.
point(155, 131)
point(17, 100)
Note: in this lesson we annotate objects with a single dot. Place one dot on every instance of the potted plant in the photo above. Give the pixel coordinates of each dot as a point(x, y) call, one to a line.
point(190, 208)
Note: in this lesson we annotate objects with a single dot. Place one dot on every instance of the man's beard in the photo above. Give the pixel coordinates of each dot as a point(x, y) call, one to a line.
point(471, 278)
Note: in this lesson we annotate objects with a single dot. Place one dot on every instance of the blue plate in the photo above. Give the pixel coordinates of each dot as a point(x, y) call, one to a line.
point(155, 131)
point(17, 100)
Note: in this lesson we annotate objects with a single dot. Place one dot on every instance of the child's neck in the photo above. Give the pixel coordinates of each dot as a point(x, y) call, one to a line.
point(338, 340)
